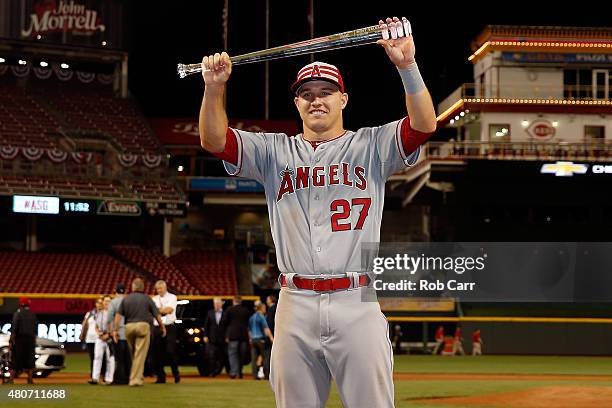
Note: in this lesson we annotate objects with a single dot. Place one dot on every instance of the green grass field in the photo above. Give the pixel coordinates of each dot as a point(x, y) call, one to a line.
point(257, 394)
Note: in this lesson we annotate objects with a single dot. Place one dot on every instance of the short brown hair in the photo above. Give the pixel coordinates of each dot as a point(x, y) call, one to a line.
point(138, 285)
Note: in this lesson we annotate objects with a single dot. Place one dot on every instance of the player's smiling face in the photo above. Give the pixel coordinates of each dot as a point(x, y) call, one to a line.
point(320, 104)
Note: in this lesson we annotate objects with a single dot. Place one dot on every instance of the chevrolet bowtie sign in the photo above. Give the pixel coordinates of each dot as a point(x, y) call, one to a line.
point(564, 168)
point(568, 169)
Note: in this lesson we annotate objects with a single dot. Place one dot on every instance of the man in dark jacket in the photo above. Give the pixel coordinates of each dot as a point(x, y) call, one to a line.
point(215, 338)
point(23, 341)
point(271, 314)
point(271, 319)
point(235, 324)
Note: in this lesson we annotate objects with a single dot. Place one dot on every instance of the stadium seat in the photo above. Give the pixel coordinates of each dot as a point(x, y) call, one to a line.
point(213, 272)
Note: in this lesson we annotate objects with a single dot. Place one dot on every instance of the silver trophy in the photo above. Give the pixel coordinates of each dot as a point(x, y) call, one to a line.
point(354, 38)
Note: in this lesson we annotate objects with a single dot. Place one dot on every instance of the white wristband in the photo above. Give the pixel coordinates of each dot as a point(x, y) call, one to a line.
point(412, 79)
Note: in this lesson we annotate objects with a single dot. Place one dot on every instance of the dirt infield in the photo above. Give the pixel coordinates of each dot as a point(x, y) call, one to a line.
point(558, 396)
point(500, 377)
point(80, 378)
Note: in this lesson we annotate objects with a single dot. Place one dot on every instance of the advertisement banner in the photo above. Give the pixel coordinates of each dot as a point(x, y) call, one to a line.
point(166, 209)
point(551, 57)
point(122, 208)
point(226, 184)
point(61, 306)
point(93, 23)
point(184, 131)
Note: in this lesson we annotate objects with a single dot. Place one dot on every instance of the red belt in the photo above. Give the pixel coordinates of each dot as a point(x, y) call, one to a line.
point(325, 284)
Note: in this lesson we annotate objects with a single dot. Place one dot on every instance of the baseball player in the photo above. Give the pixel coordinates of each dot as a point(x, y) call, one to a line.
point(476, 343)
point(325, 193)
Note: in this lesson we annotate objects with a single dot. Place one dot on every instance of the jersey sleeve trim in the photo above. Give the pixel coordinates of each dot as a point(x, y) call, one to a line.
point(233, 169)
point(230, 151)
point(408, 139)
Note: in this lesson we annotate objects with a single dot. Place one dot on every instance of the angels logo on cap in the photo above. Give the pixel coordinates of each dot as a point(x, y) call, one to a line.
point(318, 71)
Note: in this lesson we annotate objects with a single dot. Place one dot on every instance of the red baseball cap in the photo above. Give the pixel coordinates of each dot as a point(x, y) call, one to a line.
point(318, 71)
point(24, 301)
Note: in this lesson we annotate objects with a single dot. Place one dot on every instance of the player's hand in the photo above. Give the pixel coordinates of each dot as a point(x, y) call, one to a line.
point(163, 331)
point(400, 50)
point(216, 69)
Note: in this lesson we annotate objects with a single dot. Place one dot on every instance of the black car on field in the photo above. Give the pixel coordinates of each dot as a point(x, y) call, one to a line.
point(191, 349)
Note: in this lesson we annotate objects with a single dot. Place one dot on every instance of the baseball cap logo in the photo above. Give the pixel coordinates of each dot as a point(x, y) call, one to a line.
point(315, 71)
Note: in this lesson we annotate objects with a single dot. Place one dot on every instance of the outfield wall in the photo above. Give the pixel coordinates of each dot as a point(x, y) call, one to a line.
point(519, 335)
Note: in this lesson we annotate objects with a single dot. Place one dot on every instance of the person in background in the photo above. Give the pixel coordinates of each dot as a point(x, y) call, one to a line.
point(102, 349)
point(271, 313)
point(215, 339)
point(120, 350)
point(258, 332)
point(271, 319)
point(88, 332)
point(22, 341)
point(458, 342)
point(439, 337)
point(138, 310)
point(164, 347)
point(397, 339)
point(235, 325)
point(476, 343)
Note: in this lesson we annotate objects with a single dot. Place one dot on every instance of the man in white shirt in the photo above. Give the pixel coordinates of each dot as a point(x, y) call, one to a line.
point(102, 348)
point(164, 348)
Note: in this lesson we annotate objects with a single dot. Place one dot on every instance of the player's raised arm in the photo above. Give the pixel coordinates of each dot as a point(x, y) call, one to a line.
point(216, 70)
point(401, 52)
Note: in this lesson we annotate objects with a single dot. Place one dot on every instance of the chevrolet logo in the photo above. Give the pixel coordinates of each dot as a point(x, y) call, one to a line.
point(564, 169)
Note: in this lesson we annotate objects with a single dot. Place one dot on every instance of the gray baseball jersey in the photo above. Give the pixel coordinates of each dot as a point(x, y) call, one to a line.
point(324, 202)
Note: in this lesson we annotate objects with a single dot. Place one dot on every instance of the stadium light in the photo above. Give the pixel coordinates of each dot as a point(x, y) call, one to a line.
point(555, 123)
point(525, 123)
point(452, 121)
point(462, 114)
point(2, 60)
point(38, 37)
point(44, 64)
point(104, 43)
point(21, 62)
point(180, 168)
point(64, 65)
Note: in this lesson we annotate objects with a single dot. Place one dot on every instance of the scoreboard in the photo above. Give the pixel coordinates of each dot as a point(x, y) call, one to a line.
point(52, 206)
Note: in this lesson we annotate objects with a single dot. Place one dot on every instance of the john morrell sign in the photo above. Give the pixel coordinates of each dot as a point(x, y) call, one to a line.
point(93, 23)
point(49, 16)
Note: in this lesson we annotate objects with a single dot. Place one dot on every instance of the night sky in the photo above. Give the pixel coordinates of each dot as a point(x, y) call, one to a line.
point(160, 36)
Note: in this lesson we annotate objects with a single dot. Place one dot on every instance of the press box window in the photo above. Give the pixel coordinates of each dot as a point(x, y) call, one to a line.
point(499, 132)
